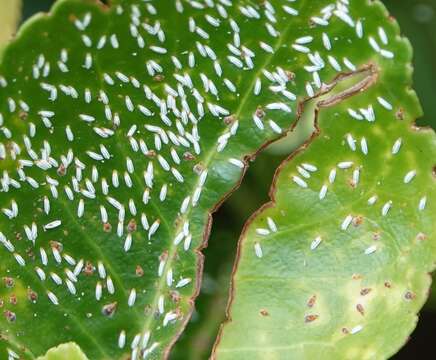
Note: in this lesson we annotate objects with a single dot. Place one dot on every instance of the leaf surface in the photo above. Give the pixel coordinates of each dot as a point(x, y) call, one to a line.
point(337, 265)
point(122, 128)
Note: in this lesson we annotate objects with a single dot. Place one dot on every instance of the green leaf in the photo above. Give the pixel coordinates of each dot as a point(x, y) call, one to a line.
point(106, 192)
point(69, 351)
point(337, 265)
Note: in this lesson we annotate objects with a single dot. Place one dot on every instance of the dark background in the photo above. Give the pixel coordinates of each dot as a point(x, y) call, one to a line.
point(418, 22)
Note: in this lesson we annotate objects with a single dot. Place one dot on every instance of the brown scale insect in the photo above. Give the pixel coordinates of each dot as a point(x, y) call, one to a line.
point(400, 114)
point(131, 226)
point(88, 269)
point(159, 78)
point(107, 227)
point(409, 295)
point(228, 120)
point(365, 291)
point(32, 295)
point(175, 296)
point(360, 309)
point(9, 282)
point(139, 271)
point(13, 299)
point(290, 74)
point(23, 115)
point(10, 316)
point(311, 301)
point(263, 312)
point(260, 113)
point(310, 318)
point(61, 171)
point(30, 253)
point(164, 256)
point(188, 156)
point(109, 309)
point(147, 310)
point(357, 220)
point(198, 168)
point(421, 237)
point(57, 245)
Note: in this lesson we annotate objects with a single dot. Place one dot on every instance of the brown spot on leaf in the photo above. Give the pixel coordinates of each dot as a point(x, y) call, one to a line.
point(360, 309)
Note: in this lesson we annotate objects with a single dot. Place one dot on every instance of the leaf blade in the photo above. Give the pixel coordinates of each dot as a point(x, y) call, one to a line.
point(341, 271)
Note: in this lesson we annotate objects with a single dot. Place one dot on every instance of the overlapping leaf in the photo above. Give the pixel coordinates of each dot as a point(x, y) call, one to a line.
point(122, 127)
point(337, 265)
